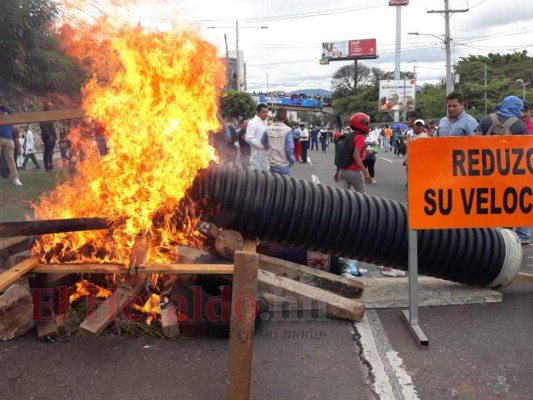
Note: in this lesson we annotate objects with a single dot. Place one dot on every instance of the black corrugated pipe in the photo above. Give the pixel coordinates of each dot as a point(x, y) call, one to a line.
point(372, 229)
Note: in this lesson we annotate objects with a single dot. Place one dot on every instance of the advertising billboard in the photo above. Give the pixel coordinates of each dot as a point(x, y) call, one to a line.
point(398, 2)
point(349, 50)
point(395, 94)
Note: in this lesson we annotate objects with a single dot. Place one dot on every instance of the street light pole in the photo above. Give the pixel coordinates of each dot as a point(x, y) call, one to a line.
point(237, 56)
point(524, 84)
point(404, 90)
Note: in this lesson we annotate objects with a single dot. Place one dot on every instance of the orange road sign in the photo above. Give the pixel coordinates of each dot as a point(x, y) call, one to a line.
point(470, 182)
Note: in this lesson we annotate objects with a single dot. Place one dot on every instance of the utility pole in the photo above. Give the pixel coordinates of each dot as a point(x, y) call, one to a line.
point(485, 89)
point(398, 52)
point(237, 55)
point(447, 42)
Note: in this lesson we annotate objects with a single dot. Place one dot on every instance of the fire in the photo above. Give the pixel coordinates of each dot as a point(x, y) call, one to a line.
point(152, 308)
point(156, 95)
point(86, 288)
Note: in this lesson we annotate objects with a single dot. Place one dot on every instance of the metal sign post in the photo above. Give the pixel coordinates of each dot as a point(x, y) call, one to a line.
point(410, 316)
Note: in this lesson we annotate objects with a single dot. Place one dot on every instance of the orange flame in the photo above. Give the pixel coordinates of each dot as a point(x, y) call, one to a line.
point(86, 288)
point(152, 308)
point(156, 94)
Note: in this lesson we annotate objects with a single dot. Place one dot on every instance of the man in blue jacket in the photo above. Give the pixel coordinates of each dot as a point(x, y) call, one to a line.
point(7, 145)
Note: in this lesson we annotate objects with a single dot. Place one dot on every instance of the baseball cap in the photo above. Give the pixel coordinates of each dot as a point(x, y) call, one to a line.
point(527, 105)
point(420, 121)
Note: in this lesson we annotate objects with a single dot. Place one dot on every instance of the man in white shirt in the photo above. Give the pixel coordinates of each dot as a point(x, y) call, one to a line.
point(304, 142)
point(254, 133)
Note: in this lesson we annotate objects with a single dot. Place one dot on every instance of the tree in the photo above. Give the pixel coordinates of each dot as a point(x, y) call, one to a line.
point(237, 105)
point(501, 71)
point(30, 57)
point(344, 77)
point(431, 101)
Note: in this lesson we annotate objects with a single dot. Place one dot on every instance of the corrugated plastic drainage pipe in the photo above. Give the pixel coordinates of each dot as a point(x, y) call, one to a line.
point(317, 217)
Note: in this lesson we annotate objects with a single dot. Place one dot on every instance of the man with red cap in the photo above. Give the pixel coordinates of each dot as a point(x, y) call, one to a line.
point(356, 175)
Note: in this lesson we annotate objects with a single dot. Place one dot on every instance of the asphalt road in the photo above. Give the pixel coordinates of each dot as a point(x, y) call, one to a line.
point(475, 352)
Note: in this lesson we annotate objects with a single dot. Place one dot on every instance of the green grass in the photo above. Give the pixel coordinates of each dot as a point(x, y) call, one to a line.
point(15, 200)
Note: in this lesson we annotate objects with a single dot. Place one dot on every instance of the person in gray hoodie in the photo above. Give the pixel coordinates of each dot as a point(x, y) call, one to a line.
point(278, 138)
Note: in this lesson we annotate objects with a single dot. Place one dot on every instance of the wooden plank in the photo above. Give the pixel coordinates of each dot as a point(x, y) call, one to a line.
point(12, 242)
point(311, 276)
point(227, 242)
point(41, 116)
point(21, 247)
point(249, 245)
point(208, 229)
point(524, 277)
point(336, 306)
point(242, 328)
point(47, 329)
point(25, 228)
point(169, 321)
point(108, 311)
point(14, 273)
point(178, 269)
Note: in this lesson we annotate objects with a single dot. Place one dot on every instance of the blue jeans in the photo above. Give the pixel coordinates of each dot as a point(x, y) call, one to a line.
point(523, 233)
point(281, 170)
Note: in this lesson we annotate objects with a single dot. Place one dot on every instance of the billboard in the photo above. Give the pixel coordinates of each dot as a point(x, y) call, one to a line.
point(398, 2)
point(349, 50)
point(395, 94)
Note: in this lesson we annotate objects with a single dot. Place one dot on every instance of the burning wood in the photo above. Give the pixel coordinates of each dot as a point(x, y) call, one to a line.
point(108, 311)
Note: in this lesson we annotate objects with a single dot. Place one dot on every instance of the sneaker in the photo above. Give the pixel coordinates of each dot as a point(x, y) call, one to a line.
point(17, 182)
point(524, 241)
point(374, 181)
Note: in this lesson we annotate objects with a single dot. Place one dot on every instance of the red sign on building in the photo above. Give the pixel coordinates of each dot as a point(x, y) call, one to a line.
point(362, 48)
point(398, 2)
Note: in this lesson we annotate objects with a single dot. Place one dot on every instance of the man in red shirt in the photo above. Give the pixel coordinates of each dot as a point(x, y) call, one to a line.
point(356, 174)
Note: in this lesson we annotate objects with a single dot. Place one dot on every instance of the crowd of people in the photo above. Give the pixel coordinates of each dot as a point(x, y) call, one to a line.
point(18, 144)
point(276, 147)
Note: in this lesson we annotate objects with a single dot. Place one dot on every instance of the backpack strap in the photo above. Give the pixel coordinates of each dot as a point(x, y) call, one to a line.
point(494, 119)
point(509, 122)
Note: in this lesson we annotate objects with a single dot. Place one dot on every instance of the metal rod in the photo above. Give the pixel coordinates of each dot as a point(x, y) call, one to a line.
point(26, 228)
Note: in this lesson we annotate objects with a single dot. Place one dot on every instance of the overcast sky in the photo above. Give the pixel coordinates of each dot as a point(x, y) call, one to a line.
point(289, 50)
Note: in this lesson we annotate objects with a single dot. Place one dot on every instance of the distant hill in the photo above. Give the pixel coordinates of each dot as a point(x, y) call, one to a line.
point(313, 92)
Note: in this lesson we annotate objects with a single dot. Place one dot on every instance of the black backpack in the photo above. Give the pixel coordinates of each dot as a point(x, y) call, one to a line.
point(344, 148)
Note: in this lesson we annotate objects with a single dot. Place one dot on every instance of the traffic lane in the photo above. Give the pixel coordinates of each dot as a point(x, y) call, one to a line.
point(475, 351)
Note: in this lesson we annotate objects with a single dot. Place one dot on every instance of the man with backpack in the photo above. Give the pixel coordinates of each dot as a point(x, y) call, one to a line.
point(349, 155)
point(505, 121)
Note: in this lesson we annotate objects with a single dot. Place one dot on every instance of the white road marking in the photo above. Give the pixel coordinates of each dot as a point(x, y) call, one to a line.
point(315, 179)
point(381, 385)
point(390, 379)
point(309, 160)
point(386, 159)
point(406, 383)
